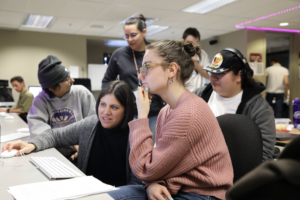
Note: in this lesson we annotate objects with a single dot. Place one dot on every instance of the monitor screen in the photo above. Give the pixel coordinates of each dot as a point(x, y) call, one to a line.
point(6, 98)
point(35, 90)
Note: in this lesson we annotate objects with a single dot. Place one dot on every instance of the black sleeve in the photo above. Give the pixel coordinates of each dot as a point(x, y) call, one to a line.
point(156, 105)
point(112, 70)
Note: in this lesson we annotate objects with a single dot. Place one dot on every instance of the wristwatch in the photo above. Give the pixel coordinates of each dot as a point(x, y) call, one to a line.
point(7, 110)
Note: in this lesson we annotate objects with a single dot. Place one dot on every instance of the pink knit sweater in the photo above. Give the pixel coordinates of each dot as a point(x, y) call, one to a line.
point(190, 154)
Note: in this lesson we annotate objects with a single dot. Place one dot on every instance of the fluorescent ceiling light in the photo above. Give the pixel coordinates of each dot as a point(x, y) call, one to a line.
point(38, 21)
point(153, 29)
point(206, 6)
point(115, 43)
point(284, 24)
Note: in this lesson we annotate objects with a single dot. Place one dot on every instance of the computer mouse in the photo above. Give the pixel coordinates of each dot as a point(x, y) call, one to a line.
point(23, 130)
point(9, 117)
point(6, 154)
point(3, 114)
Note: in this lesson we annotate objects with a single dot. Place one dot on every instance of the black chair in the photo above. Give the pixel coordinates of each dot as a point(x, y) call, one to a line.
point(86, 82)
point(272, 180)
point(244, 142)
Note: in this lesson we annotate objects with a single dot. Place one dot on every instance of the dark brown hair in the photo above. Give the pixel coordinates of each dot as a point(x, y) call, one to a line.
point(124, 95)
point(140, 22)
point(191, 31)
point(17, 78)
point(180, 52)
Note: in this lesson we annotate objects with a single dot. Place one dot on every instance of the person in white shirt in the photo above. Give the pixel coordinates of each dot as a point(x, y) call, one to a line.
point(234, 91)
point(277, 78)
point(199, 77)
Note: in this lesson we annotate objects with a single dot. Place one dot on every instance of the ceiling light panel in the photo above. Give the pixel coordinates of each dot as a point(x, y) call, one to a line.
point(153, 29)
point(206, 6)
point(38, 21)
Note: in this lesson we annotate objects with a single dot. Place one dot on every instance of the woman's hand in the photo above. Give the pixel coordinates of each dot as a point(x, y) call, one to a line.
point(156, 191)
point(75, 155)
point(19, 145)
point(143, 102)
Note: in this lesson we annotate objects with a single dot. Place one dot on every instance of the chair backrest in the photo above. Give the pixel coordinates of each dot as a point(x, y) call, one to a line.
point(244, 142)
point(83, 81)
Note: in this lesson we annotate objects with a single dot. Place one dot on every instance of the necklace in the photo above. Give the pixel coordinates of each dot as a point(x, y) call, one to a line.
point(136, 67)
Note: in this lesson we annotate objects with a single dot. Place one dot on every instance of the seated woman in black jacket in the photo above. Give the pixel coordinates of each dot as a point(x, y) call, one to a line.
point(102, 138)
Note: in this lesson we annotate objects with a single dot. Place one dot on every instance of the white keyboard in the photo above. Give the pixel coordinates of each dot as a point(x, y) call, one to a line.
point(13, 136)
point(54, 168)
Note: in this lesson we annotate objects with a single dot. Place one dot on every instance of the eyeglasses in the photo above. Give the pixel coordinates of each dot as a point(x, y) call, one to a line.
point(217, 75)
point(146, 66)
point(132, 36)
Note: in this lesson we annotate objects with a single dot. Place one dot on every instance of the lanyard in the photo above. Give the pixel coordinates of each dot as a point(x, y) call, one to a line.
point(136, 66)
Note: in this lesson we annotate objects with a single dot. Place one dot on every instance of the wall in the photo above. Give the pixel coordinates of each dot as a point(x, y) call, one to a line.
point(256, 43)
point(21, 52)
point(237, 39)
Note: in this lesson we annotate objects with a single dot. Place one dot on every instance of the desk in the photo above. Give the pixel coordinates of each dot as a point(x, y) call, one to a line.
point(285, 142)
point(12, 176)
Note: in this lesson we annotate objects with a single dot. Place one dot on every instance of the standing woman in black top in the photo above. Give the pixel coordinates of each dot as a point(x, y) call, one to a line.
point(126, 61)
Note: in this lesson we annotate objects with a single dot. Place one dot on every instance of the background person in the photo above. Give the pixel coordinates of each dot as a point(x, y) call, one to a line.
point(191, 159)
point(199, 77)
point(60, 103)
point(233, 91)
point(126, 61)
point(25, 98)
point(104, 148)
point(277, 78)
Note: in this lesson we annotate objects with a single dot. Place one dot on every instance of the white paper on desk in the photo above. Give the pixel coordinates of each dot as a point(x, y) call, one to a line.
point(13, 136)
point(60, 189)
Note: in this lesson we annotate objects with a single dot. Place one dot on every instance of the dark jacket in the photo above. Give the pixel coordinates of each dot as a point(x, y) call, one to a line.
point(257, 108)
point(81, 133)
point(122, 63)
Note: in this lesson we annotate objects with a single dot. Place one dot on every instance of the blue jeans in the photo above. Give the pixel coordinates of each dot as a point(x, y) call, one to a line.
point(137, 192)
point(279, 103)
point(152, 125)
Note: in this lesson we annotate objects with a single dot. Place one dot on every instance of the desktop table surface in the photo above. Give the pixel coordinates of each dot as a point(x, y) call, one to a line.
point(28, 173)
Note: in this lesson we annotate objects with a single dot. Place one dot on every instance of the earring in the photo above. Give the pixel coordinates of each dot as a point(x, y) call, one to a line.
point(170, 81)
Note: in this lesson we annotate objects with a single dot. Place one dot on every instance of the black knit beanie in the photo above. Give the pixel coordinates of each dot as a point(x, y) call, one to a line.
point(51, 72)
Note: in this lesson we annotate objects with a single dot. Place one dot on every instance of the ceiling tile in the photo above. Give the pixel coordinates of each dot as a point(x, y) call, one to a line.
point(176, 19)
point(157, 13)
point(69, 24)
point(135, 3)
point(175, 5)
point(46, 7)
point(13, 5)
point(83, 10)
point(270, 9)
point(11, 18)
point(202, 20)
point(240, 7)
point(100, 1)
point(117, 13)
point(108, 25)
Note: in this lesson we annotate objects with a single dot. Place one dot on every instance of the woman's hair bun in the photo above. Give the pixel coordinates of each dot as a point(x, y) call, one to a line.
point(141, 17)
point(191, 48)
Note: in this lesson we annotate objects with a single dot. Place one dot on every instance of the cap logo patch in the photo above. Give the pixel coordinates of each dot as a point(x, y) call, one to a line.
point(217, 61)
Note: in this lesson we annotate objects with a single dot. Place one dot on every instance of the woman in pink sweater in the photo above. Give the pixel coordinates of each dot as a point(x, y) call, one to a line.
point(191, 159)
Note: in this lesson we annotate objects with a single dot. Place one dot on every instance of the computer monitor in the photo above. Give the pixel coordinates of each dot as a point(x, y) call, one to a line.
point(35, 90)
point(6, 98)
point(86, 82)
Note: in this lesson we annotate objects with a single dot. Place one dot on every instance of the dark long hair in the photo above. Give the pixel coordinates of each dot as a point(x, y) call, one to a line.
point(123, 94)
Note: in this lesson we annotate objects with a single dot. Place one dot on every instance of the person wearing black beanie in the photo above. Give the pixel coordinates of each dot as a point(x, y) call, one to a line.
point(60, 103)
